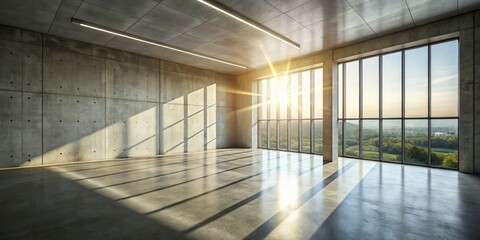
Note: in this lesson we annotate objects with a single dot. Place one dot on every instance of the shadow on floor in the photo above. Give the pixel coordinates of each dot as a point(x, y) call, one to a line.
point(404, 202)
point(32, 210)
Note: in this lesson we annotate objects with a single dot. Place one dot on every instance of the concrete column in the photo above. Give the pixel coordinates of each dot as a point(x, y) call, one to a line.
point(330, 108)
point(476, 86)
point(466, 122)
point(254, 112)
point(246, 112)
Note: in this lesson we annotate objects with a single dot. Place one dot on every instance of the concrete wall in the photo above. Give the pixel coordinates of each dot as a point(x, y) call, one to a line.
point(466, 27)
point(66, 101)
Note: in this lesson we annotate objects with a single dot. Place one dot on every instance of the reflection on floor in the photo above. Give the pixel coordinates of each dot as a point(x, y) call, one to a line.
point(238, 193)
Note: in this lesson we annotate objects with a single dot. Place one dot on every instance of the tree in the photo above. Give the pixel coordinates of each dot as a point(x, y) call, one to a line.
point(437, 158)
point(451, 160)
point(416, 154)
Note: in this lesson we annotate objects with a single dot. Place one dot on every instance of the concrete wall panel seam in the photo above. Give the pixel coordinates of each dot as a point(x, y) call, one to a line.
point(71, 117)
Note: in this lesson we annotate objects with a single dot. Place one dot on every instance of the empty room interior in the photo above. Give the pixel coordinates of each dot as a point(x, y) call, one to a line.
point(240, 119)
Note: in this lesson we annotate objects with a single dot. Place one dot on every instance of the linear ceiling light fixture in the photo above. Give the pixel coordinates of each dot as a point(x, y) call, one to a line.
point(219, 7)
point(151, 42)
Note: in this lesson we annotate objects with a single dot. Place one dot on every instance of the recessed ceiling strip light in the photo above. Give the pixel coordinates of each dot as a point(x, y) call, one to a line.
point(151, 42)
point(251, 23)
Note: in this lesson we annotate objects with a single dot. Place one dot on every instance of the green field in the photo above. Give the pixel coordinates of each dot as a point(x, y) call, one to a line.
point(443, 154)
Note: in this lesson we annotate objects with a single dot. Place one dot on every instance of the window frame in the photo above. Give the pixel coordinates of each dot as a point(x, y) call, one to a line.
point(403, 118)
point(300, 119)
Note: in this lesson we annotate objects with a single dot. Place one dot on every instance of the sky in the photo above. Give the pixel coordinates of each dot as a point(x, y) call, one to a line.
point(444, 86)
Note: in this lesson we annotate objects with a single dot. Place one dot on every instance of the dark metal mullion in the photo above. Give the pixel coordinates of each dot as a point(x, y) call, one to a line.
point(426, 118)
point(360, 109)
point(458, 108)
point(344, 71)
point(269, 146)
point(277, 105)
point(380, 108)
point(312, 113)
point(429, 106)
point(266, 117)
point(440, 118)
point(289, 105)
point(403, 106)
point(259, 112)
point(300, 110)
point(399, 118)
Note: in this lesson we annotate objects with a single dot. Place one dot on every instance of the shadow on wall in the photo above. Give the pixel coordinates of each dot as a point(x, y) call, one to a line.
point(187, 123)
point(130, 129)
point(67, 101)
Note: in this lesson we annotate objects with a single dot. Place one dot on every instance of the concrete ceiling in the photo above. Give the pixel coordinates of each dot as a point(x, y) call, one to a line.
point(314, 24)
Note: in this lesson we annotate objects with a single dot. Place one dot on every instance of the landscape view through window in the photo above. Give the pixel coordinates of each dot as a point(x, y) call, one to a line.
point(401, 106)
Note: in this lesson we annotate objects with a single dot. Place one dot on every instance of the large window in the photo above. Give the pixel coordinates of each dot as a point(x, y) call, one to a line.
point(291, 112)
point(401, 106)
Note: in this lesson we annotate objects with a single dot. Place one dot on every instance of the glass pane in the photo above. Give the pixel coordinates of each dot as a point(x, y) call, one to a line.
point(306, 95)
point(352, 90)
point(283, 135)
point(263, 134)
point(444, 79)
point(294, 135)
point(318, 74)
point(370, 138)
point(306, 136)
point(283, 96)
point(392, 85)
point(416, 141)
point(264, 89)
point(273, 98)
point(416, 82)
point(370, 88)
point(352, 138)
point(318, 136)
point(340, 91)
point(294, 96)
point(273, 134)
point(444, 143)
point(392, 140)
point(340, 138)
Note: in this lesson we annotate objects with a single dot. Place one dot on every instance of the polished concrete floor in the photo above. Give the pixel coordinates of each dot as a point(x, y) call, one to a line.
point(235, 194)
